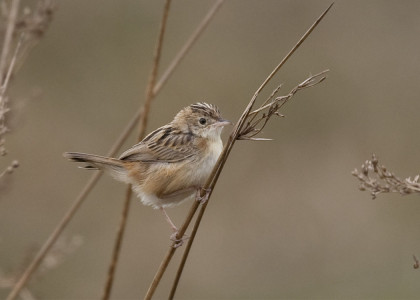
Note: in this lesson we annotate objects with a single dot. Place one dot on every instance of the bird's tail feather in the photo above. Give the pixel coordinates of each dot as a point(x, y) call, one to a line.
point(96, 162)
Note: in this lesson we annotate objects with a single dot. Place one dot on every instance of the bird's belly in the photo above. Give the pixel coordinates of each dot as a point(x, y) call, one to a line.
point(165, 200)
point(170, 184)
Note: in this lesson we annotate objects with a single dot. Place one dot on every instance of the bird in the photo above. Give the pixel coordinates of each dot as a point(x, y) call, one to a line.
point(172, 163)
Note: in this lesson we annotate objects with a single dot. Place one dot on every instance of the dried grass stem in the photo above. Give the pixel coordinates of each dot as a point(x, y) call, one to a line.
point(142, 131)
point(216, 172)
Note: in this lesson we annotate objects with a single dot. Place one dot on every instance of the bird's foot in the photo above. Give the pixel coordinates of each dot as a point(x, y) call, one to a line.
point(202, 199)
point(178, 242)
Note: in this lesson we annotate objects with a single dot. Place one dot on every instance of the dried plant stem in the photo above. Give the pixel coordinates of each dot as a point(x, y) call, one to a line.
point(153, 76)
point(117, 245)
point(114, 149)
point(7, 44)
point(240, 123)
point(142, 131)
point(217, 170)
point(5, 82)
point(266, 111)
point(186, 253)
point(3, 98)
point(224, 155)
point(8, 66)
point(315, 78)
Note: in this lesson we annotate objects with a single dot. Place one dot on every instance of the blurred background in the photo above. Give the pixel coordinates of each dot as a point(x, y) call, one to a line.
point(286, 220)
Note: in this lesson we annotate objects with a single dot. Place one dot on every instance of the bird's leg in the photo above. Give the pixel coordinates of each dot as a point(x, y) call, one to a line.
point(173, 237)
point(203, 199)
point(173, 227)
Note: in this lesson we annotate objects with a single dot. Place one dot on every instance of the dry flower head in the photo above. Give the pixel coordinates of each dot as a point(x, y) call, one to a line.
point(378, 179)
point(258, 118)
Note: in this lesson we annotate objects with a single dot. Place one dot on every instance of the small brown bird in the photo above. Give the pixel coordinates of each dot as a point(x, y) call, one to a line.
point(172, 163)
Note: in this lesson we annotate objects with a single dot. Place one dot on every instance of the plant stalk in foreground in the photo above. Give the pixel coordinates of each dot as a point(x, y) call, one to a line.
point(222, 159)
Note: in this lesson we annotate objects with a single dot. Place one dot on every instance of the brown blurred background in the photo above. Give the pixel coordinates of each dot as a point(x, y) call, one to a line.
point(286, 220)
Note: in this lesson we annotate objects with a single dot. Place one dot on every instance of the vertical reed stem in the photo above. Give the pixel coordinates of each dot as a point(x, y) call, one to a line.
point(142, 131)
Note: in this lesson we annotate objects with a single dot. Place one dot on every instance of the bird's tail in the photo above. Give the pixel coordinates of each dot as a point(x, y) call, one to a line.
point(96, 162)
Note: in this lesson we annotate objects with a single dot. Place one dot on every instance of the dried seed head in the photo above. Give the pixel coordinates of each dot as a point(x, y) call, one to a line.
point(383, 181)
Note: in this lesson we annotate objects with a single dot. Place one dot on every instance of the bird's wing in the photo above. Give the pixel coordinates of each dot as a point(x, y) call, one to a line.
point(165, 144)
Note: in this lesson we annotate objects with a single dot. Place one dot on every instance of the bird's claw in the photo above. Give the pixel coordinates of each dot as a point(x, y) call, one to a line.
point(178, 242)
point(206, 196)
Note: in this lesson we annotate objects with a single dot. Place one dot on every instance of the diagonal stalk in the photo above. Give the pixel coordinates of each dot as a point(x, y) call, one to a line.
point(226, 151)
point(216, 172)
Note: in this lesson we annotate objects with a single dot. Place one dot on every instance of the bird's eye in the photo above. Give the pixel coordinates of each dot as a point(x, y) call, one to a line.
point(202, 121)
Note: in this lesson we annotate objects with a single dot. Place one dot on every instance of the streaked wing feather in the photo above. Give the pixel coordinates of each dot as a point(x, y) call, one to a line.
point(162, 145)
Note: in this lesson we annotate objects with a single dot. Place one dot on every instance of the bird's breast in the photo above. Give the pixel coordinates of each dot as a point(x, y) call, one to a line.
point(209, 158)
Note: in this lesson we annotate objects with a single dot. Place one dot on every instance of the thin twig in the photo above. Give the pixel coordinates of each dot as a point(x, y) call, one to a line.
point(117, 245)
point(5, 84)
point(4, 62)
point(272, 109)
point(3, 98)
point(153, 76)
point(264, 105)
point(211, 181)
point(114, 149)
point(11, 23)
point(185, 255)
point(142, 131)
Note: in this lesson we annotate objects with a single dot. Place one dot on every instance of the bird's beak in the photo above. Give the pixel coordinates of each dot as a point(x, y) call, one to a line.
point(222, 123)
